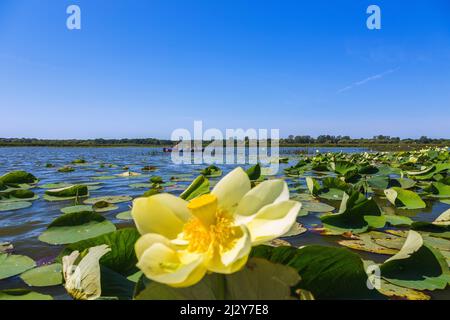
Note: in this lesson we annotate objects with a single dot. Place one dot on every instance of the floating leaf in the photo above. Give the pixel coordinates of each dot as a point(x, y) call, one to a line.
point(404, 199)
point(198, 187)
point(254, 173)
point(212, 171)
point(104, 206)
point(44, 276)
point(121, 258)
point(104, 178)
point(352, 213)
point(79, 208)
point(18, 177)
point(15, 205)
point(417, 266)
point(11, 265)
point(259, 280)
point(297, 229)
point(110, 199)
point(66, 169)
point(327, 272)
point(316, 207)
point(74, 227)
point(126, 215)
point(23, 294)
point(140, 185)
point(67, 193)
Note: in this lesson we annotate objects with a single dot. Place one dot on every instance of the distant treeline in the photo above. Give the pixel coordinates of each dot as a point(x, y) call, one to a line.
point(347, 140)
point(83, 143)
point(322, 140)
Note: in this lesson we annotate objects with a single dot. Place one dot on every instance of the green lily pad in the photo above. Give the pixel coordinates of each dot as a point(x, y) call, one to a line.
point(23, 294)
point(212, 172)
point(404, 199)
point(11, 265)
point(44, 276)
point(104, 178)
point(15, 205)
point(79, 208)
point(417, 266)
point(198, 187)
point(259, 280)
point(18, 177)
point(66, 169)
point(140, 185)
point(57, 185)
point(254, 172)
point(352, 213)
point(67, 193)
point(327, 272)
point(110, 199)
point(121, 258)
point(74, 227)
point(104, 206)
point(297, 229)
point(317, 207)
point(126, 215)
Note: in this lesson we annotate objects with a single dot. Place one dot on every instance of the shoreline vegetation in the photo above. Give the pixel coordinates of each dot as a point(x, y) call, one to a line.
point(378, 143)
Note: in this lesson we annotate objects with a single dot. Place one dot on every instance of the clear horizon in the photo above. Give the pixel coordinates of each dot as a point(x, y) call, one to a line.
point(142, 69)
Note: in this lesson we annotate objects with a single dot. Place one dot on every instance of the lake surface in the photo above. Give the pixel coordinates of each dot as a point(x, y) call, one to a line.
point(22, 227)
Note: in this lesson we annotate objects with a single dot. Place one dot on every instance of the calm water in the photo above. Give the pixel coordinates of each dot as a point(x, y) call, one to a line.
point(22, 227)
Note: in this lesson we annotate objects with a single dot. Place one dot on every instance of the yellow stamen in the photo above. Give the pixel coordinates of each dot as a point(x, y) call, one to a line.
point(204, 208)
point(221, 234)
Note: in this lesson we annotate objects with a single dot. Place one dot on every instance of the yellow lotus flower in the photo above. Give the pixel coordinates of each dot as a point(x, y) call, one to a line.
point(183, 240)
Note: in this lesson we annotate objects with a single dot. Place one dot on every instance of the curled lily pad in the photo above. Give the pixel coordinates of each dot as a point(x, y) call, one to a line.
point(110, 199)
point(44, 276)
point(352, 213)
point(439, 190)
point(327, 272)
point(67, 193)
point(417, 266)
point(11, 265)
point(254, 173)
point(404, 199)
point(18, 177)
point(198, 187)
point(121, 258)
point(74, 227)
point(18, 195)
point(212, 171)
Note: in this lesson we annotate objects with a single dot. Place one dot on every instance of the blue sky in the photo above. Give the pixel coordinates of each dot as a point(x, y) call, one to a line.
point(143, 68)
